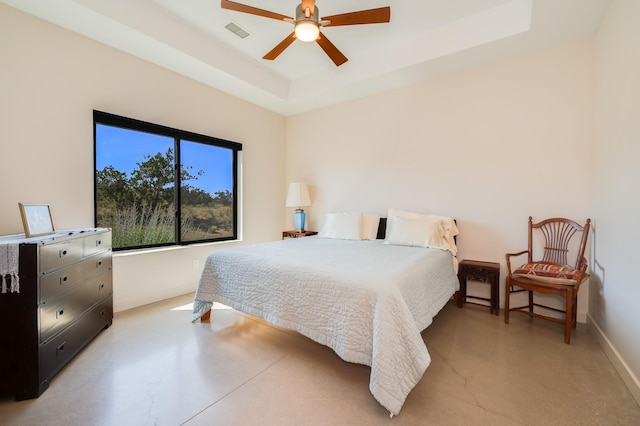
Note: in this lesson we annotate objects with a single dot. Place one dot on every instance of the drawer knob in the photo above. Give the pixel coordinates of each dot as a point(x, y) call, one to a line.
point(63, 279)
point(101, 286)
point(60, 348)
point(98, 263)
point(98, 242)
point(59, 313)
point(63, 253)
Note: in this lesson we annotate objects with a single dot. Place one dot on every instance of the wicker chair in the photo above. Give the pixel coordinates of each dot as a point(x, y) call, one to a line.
point(551, 273)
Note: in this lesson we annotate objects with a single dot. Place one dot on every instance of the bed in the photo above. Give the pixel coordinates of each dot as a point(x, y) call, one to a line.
point(368, 300)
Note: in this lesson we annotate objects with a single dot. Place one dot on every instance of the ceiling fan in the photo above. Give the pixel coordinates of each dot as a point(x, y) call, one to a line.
point(307, 25)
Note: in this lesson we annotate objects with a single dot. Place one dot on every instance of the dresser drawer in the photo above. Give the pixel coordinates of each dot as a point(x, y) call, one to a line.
point(58, 351)
point(97, 264)
point(97, 243)
point(58, 255)
point(59, 313)
point(60, 281)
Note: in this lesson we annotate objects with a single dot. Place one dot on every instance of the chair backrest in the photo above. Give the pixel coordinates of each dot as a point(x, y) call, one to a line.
point(557, 236)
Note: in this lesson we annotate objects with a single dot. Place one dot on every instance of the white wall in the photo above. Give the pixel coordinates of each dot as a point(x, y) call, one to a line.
point(51, 80)
point(489, 146)
point(615, 287)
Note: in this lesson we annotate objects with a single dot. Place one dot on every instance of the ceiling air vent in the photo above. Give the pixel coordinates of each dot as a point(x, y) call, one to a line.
point(235, 28)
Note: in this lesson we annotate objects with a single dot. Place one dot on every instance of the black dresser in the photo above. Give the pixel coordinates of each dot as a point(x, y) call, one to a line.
point(65, 299)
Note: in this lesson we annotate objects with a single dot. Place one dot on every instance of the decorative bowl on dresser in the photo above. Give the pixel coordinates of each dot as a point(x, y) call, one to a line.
point(65, 299)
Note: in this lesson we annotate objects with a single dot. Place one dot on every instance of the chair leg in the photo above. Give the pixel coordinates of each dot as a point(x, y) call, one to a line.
point(530, 301)
point(568, 320)
point(507, 294)
point(575, 309)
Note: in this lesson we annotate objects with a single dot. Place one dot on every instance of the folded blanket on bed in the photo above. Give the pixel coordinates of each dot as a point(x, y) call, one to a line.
point(366, 300)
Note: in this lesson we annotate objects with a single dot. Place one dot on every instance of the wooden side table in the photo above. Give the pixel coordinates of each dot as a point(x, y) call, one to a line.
point(296, 234)
point(486, 272)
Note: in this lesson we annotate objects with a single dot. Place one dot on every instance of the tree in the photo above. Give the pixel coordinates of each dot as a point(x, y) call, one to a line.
point(153, 181)
point(113, 187)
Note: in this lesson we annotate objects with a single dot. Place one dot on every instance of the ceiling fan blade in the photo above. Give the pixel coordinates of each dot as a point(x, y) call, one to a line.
point(276, 51)
point(230, 5)
point(331, 50)
point(371, 16)
point(311, 4)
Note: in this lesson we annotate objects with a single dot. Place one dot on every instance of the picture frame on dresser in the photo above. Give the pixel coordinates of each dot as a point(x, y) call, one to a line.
point(36, 219)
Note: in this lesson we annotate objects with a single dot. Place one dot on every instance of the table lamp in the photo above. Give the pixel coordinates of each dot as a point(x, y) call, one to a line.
point(298, 197)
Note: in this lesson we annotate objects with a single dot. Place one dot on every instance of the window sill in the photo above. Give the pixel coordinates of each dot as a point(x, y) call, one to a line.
point(135, 252)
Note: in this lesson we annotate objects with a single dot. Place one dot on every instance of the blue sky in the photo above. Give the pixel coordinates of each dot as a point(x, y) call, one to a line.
point(123, 149)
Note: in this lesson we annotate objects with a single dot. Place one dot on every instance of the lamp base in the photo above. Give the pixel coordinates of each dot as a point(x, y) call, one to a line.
point(299, 217)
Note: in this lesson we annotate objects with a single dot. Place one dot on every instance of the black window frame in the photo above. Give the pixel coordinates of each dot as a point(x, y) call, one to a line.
point(109, 119)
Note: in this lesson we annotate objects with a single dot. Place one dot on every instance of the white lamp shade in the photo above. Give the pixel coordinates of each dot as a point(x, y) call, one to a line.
point(298, 195)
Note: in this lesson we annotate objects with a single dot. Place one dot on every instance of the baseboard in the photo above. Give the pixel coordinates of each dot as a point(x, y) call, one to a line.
point(619, 364)
point(120, 305)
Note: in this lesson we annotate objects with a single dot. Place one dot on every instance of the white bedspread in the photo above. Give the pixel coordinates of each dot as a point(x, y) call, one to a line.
point(366, 300)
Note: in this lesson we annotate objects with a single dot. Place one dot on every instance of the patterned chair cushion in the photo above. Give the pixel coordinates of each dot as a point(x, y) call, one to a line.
point(548, 273)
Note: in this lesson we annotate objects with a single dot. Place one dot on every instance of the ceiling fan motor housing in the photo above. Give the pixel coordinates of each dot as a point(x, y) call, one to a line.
point(302, 15)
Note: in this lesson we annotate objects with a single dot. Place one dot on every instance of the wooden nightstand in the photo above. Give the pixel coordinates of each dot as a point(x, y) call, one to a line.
point(296, 234)
point(486, 272)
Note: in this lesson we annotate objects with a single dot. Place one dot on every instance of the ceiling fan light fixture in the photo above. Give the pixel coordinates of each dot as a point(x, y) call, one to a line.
point(307, 31)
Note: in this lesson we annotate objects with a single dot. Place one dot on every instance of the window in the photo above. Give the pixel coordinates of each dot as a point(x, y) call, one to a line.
point(158, 186)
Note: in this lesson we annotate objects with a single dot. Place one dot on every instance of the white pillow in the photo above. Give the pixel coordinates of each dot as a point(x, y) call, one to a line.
point(370, 223)
point(449, 228)
point(345, 226)
point(416, 231)
point(400, 213)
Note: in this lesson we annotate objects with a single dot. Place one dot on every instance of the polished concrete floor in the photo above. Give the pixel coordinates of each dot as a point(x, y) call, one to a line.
point(155, 367)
